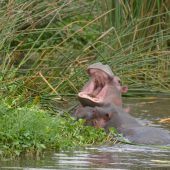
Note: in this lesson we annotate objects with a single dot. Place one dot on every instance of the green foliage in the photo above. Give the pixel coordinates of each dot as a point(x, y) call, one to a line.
point(46, 45)
point(45, 48)
point(137, 48)
point(30, 129)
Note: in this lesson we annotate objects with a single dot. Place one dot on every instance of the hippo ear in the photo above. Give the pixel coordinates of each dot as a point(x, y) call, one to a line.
point(124, 89)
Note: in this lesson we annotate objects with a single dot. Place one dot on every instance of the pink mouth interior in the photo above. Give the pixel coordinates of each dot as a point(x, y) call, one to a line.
point(87, 100)
point(87, 96)
point(84, 95)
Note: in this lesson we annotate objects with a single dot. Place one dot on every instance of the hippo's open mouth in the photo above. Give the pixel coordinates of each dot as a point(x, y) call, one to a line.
point(87, 100)
point(92, 94)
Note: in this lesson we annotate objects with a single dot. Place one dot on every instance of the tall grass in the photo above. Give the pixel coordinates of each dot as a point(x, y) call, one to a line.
point(139, 38)
point(46, 45)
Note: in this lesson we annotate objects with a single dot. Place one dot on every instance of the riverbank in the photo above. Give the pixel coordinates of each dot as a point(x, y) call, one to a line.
point(45, 49)
point(31, 130)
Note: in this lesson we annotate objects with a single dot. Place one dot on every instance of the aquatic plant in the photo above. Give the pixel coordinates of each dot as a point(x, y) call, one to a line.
point(30, 130)
point(46, 45)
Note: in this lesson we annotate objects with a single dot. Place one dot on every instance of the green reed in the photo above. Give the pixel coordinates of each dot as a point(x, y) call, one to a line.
point(46, 46)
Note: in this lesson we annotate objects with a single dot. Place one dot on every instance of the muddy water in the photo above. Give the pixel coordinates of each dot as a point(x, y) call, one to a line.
point(119, 156)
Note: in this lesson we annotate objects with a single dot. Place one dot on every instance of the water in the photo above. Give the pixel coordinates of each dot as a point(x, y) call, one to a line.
point(119, 156)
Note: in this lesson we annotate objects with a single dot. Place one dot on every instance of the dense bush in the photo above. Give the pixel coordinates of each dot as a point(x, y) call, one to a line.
point(31, 130)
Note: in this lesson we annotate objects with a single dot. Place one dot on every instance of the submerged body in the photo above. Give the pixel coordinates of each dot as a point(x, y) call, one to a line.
point(101, 107)
point(107, 117)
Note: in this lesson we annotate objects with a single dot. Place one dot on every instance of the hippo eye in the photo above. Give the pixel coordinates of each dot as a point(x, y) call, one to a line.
point(108, 116)
point(119, 82)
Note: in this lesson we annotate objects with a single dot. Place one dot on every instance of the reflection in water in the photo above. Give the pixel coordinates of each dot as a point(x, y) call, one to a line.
point(119, 156)
point(115, 157)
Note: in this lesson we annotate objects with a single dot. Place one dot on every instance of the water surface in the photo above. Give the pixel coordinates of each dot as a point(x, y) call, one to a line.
point(120, 156)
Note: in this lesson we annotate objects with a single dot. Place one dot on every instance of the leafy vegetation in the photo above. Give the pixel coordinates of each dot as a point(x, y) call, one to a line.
point(45, 48)
point(31, 130)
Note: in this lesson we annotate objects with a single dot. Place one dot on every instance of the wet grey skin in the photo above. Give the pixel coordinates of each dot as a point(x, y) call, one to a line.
point(132, 129)
point(102, 67)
